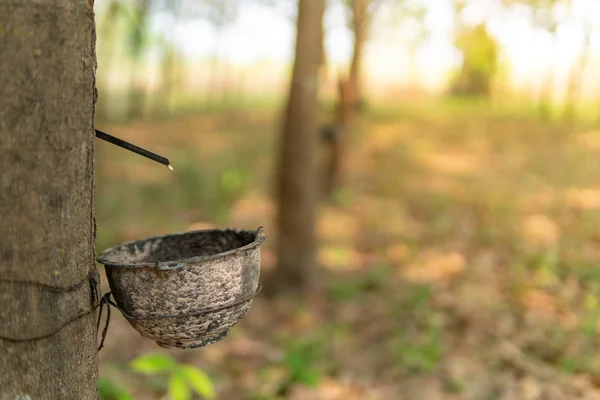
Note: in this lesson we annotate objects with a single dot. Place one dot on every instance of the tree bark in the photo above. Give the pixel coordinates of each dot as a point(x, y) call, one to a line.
point(298, 191)
point(47, 234)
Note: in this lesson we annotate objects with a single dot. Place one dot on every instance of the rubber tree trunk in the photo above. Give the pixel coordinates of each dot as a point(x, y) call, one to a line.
point(297, 188)
point(47, 235)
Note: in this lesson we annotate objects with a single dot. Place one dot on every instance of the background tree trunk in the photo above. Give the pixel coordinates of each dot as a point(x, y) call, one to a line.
point(137, 93)
point(298, 191)
point(360, 19)
point(335, 138)
point(107, 53)
point(47, 235)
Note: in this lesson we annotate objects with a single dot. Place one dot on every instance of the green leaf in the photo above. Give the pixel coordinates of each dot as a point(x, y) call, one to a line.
point(199, 381)
point(152, 364)
point(178, 388)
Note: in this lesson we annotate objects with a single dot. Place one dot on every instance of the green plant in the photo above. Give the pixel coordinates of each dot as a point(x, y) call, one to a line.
point(109, 390)
point(344, 289)
point(573, 365)
point(377, 278)
point(480, 61)
point(182, 380)
point(418, 346)
point(208, 184)
point(343, 196)
point(421, 354)
point(590, 319)
point(372, 281)
point(300, 361)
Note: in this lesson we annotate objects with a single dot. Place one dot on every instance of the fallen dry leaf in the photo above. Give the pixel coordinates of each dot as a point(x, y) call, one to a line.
point(453, 163)
point(539, 302)
point(335, 224)
point(384, 137)
point(589, 140)
point(339, 257)
point(435, 267)
point(530, 388)
point(398, 253)
point(540, 230)
point(584, 199)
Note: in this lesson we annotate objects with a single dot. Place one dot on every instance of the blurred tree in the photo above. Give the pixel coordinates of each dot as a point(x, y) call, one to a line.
point(349, 100)
point(170, 75)
point(545, 15)
point(334, 137)
point(170, 58)
point(414, 13)
point(359, 23)
point(137, 39)
point(220, 13)
point(458, 7)
point(107, 33)
point(542, 12)
point(287, 8)
point(576, 75)
point(361, 13)
point(480, 62)
point(408, 18)
point(48, 347)
point(297, 193)
point(579, 67)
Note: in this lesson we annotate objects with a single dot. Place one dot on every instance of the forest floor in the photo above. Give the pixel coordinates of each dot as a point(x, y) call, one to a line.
point(460, 258)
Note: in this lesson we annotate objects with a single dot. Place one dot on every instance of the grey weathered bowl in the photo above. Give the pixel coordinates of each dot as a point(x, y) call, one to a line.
point(185, 290)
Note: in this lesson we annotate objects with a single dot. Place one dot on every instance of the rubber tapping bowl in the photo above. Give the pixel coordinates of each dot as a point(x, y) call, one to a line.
point(185, 290)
